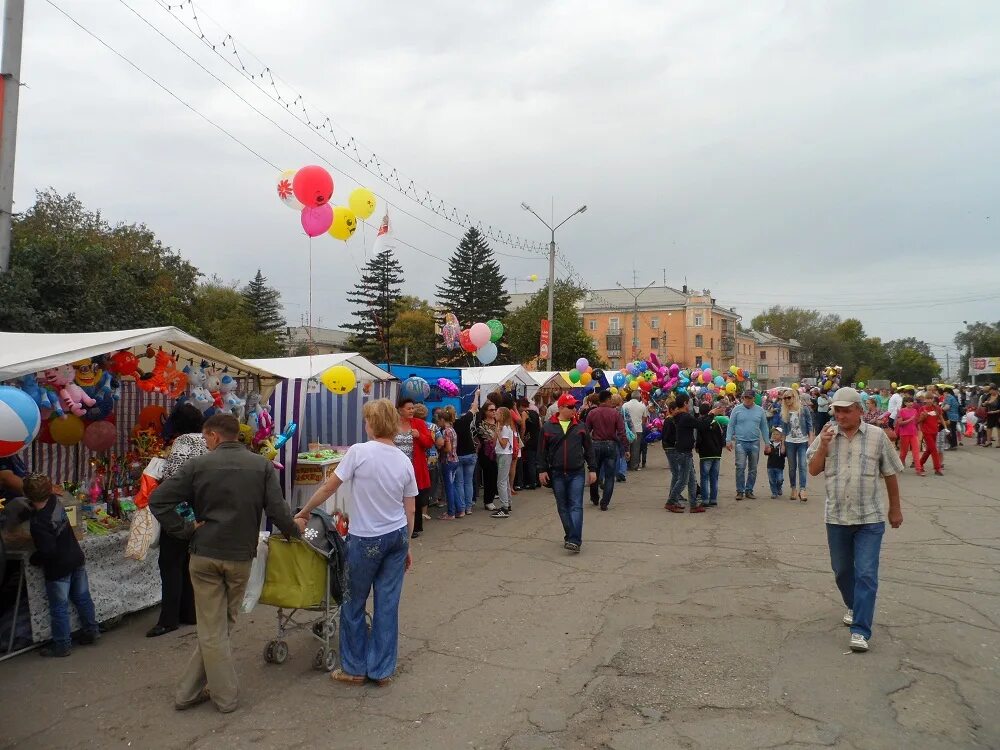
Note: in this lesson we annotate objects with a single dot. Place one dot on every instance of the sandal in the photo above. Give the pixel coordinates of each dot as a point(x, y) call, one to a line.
point(446, 517)
point(339, 675)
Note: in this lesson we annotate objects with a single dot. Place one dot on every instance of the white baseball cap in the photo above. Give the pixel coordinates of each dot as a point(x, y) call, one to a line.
point(846, 396)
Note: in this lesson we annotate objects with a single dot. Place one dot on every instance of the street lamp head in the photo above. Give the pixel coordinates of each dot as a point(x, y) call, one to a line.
point(525, 206)
point(581, 209)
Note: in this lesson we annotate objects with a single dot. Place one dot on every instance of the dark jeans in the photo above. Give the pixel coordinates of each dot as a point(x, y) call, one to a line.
point(177, 605)
point(528, 467)
point(954, 427)
point(643, 449)
point(683, 476)
point(489, 469)
point(378, 563)
point(710, 480)
point(606, 453)
point(422, 501)
point(72, 588)
point(568, 489)
point(854, 553)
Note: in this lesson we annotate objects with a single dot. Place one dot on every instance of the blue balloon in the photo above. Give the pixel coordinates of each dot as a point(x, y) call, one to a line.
point(720, 381)
point(416, 388)
point(619, 379)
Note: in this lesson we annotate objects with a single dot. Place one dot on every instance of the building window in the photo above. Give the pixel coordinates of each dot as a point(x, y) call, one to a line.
point(763, 355)
point(654, 343)
point(654, 323)
point(711, 322)
point(697, 361)
point(762, 371)
point(613, 324)
point(593, 324)
point(711, 343)
point(793, 357)
point(699, 319)
point(614, 363)
point(699, 340)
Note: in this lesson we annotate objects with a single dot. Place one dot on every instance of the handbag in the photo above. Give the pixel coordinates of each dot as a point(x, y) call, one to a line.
point(143, 532)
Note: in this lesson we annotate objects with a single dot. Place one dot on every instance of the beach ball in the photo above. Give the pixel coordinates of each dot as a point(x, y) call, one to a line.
point(339, 379)
point(416, 388)
point(68, 431)
point(20, 420)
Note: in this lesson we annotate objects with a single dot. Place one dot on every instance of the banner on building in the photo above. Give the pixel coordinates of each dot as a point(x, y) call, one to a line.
point(545, 340)
point(984, 365)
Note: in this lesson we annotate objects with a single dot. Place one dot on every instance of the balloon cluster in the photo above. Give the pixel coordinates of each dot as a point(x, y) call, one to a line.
point(309, 190)
point(583, 374)
point(831, 379)
point(479, 338)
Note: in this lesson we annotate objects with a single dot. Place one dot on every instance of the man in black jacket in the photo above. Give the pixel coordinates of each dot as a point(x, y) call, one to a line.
point(686, 428)
point(566, 461)
point(229, 488)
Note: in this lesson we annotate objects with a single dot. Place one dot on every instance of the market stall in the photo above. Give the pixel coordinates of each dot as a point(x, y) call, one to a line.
point(99, 404)
point(548, 382)
point(489, 379)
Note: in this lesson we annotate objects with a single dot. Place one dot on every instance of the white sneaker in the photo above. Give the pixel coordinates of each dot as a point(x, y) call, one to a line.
point(849, 618)
point(858, 642)
point(491, 506)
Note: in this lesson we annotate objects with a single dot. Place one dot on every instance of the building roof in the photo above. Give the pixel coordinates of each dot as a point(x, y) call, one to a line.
point(618, 299)
point(766, 339)
point(313, 334)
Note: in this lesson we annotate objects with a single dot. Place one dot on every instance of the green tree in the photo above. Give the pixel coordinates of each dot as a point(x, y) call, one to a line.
point(263, 305)
point(376, 296)
point(523, 328)
point(912, 366)
point(72, 271)
point(220, 317)
point(473, 290)
point(812, 329)
point(978, 339)
point(412, 336)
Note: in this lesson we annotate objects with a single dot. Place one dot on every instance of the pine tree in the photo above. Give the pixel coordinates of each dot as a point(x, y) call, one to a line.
point(376, 296)
point(263, 305)
point(473, 290)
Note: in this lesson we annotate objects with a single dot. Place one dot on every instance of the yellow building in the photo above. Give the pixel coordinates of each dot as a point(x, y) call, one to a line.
point(777, 360)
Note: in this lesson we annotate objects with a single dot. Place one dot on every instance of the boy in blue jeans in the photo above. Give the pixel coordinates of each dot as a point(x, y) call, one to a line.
point(59, 554)
point(776, 463)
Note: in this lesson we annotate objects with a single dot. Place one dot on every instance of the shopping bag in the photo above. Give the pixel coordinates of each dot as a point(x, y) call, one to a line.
point(145, 530)
point(295, 574)
point(255, 584)
point(149, 481)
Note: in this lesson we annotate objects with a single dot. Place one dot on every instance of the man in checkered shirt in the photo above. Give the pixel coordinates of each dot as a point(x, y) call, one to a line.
point(856, 457)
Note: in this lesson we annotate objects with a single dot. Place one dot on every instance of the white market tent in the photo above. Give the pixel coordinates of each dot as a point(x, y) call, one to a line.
point(489, 379)
point(26, 353)
point(302, 368)
point(547, 379)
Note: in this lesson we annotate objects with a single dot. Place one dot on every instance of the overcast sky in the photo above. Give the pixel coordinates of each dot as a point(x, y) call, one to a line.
point(841, 155)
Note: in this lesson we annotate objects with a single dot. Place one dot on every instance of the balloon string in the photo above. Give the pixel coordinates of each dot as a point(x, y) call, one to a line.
point(310, 288)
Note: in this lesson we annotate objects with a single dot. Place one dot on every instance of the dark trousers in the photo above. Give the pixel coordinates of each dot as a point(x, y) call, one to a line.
point(177, 605)
point(528, 467)
point(953, 434)
point(606, 453)
point(489, 469)
point(422, 501)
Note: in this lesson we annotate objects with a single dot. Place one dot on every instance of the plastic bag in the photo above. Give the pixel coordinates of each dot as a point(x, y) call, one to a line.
point(145, 530)
point(255, 584)
point(149, 481)
point(295, 575)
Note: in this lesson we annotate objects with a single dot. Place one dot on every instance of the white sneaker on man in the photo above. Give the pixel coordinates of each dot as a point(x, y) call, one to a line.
point(858, 642)
point(849, 618)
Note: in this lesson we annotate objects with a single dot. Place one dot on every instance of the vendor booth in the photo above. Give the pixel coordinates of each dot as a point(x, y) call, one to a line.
point(489, 379)
point(327, 423)
point(548, 383)
point(99, 404)
point(437, 397)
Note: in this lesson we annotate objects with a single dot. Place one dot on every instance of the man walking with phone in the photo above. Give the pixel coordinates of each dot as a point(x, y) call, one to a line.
point(855, 456)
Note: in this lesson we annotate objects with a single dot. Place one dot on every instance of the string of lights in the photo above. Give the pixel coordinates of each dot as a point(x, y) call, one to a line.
point(225, 46)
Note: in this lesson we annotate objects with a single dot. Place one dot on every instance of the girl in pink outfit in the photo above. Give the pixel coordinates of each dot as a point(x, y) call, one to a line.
point(909, 433)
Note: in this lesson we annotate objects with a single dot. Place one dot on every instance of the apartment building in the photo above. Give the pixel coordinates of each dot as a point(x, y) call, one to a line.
point(777, 360)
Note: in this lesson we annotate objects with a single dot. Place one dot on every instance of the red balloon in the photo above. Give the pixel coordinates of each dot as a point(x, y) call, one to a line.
point(99, 436)
point(313, 186)
point(465, 339)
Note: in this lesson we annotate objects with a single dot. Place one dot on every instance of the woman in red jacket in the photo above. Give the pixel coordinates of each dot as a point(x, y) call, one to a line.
point(413, 438)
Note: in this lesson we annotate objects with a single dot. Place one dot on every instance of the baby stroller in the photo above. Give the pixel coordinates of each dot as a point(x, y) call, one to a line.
point(307, 576)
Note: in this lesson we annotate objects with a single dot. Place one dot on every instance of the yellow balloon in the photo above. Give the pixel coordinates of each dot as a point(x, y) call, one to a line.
point(362, 202)
point(614, 391)
point(893, 386)
point(585, 378)
point(730, 387)
point(68, 431)
point(339, 379)
point(795, 386)
point(345, 223)
point(534, 277)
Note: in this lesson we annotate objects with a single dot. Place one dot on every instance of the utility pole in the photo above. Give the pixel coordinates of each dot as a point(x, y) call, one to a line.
point(947, 365)
point(635, 316)
point(552, 269)
point(10, 70)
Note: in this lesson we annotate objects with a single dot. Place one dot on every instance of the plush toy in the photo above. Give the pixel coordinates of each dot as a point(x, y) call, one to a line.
point(212, 381)
point(265, 424)
point(285, 436)
point(253, 409)
point(124, 364)
point(233, 404)
point(73, 397)
point(45, 398)
point(196, 376)
point(268, 451)
point(201, 399)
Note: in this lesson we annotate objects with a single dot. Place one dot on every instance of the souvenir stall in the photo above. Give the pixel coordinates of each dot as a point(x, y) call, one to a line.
point(488, 379)
point(445, 384)
point(90, 410)
point(548, 383)
point(322, 395)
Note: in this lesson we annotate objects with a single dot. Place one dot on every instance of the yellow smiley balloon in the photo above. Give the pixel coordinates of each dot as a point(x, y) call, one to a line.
point(345, 223)
point(362, 202)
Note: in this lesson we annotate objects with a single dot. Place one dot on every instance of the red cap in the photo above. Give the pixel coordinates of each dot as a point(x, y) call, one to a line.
point(566, 400)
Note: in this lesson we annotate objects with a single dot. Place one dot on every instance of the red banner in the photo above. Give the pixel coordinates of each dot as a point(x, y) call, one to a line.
point(544, 340)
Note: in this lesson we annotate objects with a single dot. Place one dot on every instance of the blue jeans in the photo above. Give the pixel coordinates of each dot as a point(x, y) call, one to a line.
point(776, 478)
point(796, 453)
point(72, 588)
point(373, 562)
point(464, 481)
point(710, 480)
point(683, 476)
point(568, 489)
point(854, 552)
point(606, 453)
point(455, 504)
point(747, 456)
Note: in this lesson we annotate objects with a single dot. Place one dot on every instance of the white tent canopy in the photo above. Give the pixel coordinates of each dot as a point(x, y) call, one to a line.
point(488, 379)
point(26, 353)
point(303, 368)
point(548, 378)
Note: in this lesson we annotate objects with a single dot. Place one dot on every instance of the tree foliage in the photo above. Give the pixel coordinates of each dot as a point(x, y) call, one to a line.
point(219, 316)
point(978, 339)
point(473, 290)
point(413, 334)
point(570, 340)
point(376, 296)
point(263, 305)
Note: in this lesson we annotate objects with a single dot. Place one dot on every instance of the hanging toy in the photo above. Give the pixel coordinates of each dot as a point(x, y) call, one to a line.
point(73, 397)
point(47, 401)
point(253, 410)
point(285, 436)
point(265, 424)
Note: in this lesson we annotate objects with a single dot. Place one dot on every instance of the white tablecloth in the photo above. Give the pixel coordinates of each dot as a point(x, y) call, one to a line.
point(117, 585)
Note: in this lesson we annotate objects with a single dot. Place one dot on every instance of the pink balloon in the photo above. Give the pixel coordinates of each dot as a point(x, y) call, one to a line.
point(480, 334)
point(318, 219)
point(674, 369)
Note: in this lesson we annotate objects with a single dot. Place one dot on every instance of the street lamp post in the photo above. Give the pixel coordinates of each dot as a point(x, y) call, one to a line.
point(635, 315)
point(552, 269)
point(972, 378)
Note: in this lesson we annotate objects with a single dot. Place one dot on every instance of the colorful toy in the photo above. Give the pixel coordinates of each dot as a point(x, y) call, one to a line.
point(201, 399)
point(20, 420)
point(447, 387)
point(47, 401)
point(285, 436)
point(124, 364)
point(72, 396)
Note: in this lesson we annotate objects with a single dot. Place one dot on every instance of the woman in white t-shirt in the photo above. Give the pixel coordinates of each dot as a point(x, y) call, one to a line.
point(378, 550)
point(505, 456)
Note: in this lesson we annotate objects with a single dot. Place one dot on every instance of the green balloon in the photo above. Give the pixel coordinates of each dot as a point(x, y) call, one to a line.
point(574, 376)
point(496, 330)
point(722, 420)
point(758, 399)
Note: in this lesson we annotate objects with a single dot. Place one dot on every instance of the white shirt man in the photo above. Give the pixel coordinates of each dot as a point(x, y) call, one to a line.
point(895, 404)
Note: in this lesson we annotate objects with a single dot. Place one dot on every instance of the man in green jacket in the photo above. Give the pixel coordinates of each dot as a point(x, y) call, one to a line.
point(229, 488)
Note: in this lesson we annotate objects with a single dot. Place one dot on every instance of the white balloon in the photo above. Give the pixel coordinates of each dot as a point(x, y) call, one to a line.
point(284, 190)
point(487, 353)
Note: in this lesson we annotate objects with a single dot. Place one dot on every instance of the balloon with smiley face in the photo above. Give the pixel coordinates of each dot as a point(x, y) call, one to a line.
point(312, 186)
point(339, 379)
point(362, 202)
point(345, 223)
